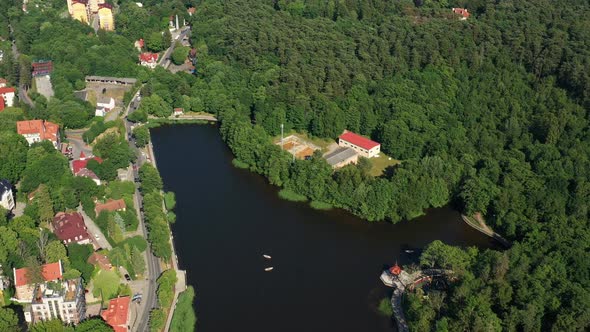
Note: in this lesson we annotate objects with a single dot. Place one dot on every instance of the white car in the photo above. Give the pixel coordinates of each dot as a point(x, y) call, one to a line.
point(96, 237)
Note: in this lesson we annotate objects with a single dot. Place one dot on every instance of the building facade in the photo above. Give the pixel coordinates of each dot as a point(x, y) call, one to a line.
point(64, 300)
point(39, 130)
point(79, 11)
point(362, 145)
point(6, 195)
point(148, 59)
point(7, 94)
point(105, 17)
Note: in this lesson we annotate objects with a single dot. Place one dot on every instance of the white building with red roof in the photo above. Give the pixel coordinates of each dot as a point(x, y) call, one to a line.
point(24, 289)
point(148, 59)
point(39, 130)
point(362, 145)
point(8, 95)
point(3, 82)
point(79, 167)
point(117, 314)
point(464, 13)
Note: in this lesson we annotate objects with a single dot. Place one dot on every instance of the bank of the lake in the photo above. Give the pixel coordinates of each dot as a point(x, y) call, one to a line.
point(326, 263)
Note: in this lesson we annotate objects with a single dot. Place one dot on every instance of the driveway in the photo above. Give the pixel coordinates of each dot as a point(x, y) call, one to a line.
point(78, 146)
point(94, 230)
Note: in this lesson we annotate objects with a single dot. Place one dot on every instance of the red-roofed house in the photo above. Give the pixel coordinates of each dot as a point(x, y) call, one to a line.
point(110, 205)
point(101, 260)
point(117, 315)
point(149, 60)
point(24, 289)
point(39, 130)
point(191, 11)
point(2, 104)
point(3, 82)
point(139, 44)
point(463, 12)
point(70, 228)
point(364, 146)
point(8, 95)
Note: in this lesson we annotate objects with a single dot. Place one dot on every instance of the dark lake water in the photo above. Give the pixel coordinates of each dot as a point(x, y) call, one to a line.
point(326, 263)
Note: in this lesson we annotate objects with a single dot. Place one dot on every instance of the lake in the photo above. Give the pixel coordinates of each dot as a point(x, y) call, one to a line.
point(326, 263)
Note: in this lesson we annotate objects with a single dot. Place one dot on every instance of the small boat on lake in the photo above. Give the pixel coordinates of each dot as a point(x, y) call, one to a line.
point(266, 256)
point(268, 269)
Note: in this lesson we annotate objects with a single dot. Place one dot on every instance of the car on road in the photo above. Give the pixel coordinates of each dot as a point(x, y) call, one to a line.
point(96, 237)
point(127, 277)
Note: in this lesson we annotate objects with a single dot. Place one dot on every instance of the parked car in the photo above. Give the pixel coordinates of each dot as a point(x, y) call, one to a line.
point(127, 277)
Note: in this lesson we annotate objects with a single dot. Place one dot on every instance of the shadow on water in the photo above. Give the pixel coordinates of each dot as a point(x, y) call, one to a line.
point(326, 263)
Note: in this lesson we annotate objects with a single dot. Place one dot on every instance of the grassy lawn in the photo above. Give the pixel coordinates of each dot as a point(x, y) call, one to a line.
point(291, 196)
point(381, 163)
point(108, 282)
point(321, 205)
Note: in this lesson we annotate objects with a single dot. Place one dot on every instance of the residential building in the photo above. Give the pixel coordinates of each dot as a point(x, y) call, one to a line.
point(464, 13)
point(6, 195)
point(105, 17)
point(364, 146)
point(139, 44)
point(7, 94)
point(70, 228)
point(79, 167)
point(191, 11)
point(107, 103)
point(64, 300)
point(42, 67)
point(117, 314)
point(93, 5)
point(178, 111)
point(341, 157)
point(39, 130)
point(86, 173)
point(3, 83)
point(110, 205)
point(149, 59)
point(24, 289)
point(79, 10)
point(101, 260)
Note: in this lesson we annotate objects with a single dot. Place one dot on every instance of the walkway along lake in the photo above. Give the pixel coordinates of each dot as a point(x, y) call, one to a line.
point(326, 263)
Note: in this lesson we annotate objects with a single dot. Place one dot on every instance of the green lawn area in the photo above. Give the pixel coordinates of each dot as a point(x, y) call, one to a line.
point(381, 163)
point(108, 282)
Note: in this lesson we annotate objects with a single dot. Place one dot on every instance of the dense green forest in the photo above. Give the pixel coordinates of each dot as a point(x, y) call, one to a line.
point(489, 115)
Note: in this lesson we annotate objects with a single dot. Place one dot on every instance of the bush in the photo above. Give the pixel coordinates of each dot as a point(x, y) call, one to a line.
point(385, 307)
point(184, 318)
point(142, 136)
point(157, 320)
point(165, 290)
point(169, 200)
point(239, 164)
point(292, 196)
point(321, 205)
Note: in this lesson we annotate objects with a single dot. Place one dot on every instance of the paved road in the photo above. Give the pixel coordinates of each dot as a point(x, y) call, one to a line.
point(22, 91)
point(78, 145)
point(165, 59)
point(149, 300)
point(93, 229)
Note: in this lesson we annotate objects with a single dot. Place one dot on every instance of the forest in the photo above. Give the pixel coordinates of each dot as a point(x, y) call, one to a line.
point(488, 115)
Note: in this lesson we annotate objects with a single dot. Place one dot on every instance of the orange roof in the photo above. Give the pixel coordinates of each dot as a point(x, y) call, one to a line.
point(110, 205)
point(50, 272)
point(102, 261)
point(117, 314)
point(395, 270)
point(2, 106)
point(358, 140)
point(461, 11)
point(45, 129)
point(6, 90)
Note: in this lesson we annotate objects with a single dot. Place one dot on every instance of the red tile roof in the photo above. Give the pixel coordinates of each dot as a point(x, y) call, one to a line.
point(46, 130)
point(78, 165)
point(3, 81)
point(50, 272)
point(82, 155)
point(70, 227)
point(358, 140)
point(191, 10)
point(117, 314)
point(2, 105)
point(148, 57)
point(102, 261)
point(461, 11)
point(7, 90)
point(111, 205)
